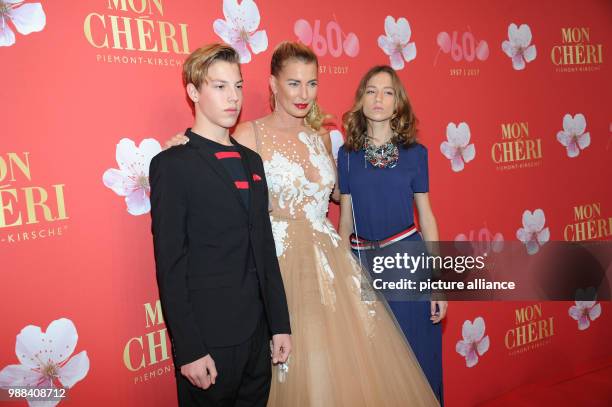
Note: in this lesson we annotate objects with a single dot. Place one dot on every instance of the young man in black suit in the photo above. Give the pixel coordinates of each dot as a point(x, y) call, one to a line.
point(218, 276)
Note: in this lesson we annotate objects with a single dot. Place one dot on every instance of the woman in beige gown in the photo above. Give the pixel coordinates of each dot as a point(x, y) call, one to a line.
point(347, 349)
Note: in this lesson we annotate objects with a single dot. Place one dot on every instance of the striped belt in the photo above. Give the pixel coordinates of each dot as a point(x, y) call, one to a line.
point(358, 243)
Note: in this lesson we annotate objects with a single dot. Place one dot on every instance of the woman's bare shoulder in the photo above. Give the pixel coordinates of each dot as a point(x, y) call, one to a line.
point(245, 135)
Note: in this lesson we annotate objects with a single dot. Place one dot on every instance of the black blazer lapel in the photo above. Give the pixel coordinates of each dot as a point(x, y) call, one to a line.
point(246, 163)
point(217, 167)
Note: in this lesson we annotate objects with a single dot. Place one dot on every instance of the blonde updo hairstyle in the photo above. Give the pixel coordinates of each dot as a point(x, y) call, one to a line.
point(288, 51)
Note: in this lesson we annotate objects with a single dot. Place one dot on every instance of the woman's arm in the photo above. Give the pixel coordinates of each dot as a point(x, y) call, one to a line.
point(244, 134)
point(335, 196)
point(346, 218)
point(429, 228)
point(427, 220)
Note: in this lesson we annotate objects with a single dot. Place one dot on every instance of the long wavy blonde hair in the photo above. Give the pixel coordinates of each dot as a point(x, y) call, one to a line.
point(403, 122)
point(287, 51)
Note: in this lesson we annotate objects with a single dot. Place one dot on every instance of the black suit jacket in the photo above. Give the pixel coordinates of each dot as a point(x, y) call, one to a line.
point(202, 232)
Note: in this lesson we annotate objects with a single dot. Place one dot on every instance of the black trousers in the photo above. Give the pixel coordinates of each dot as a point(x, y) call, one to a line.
point(244, 375)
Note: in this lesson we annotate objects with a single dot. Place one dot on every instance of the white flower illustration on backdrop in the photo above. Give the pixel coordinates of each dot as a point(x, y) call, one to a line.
point(27, 18)
point(396, 42)
point(474, 342)
point(131, 180)
point(584, 312)
point(45, 360)
point(518, 46)
point(239, 28)
point(457, 149)
point(573, 135)
point(533, 233)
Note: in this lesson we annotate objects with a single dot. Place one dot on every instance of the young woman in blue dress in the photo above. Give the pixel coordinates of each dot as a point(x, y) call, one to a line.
point(382, 173)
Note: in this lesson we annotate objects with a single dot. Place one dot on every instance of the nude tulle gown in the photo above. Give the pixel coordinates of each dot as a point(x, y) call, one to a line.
point(347, 348)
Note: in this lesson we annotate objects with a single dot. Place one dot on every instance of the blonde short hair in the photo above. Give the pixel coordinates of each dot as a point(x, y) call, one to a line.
point(197, 63)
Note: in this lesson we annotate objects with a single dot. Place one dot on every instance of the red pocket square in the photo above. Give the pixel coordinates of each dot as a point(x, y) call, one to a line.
point(256, 177)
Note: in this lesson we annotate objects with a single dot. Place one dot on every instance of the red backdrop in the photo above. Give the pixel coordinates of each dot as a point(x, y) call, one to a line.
point(80, 76)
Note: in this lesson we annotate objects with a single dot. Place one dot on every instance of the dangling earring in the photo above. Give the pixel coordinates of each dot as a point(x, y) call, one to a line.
point(313, 113)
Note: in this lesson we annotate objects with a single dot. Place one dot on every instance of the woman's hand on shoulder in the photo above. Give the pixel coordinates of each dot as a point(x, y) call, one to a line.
point(177, 140)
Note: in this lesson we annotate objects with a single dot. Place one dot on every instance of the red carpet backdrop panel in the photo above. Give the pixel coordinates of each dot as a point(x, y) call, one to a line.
point(513, 100)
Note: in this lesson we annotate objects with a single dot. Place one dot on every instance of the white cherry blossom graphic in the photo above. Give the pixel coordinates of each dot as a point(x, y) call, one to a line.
point(131, 180)
point(396, 43)
point(474, 342)
point(518, 46)
point(27, 18)
point(239, 29)
point(533, 233)
point(45, 360)
point(573, 135)
point(584, 312)
point(457, 148)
